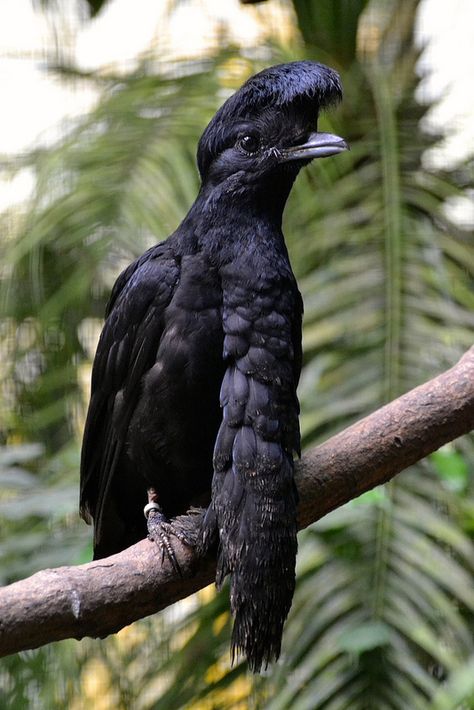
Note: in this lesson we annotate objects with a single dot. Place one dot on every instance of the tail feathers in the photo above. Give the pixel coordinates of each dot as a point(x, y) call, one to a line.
point(260, 608)
point(256, 518)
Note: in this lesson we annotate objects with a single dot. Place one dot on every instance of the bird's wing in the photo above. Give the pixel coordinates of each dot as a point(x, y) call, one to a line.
point(126, 351)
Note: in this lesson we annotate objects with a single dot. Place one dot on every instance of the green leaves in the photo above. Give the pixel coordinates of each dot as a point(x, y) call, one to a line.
point(330, 26)
point(452, 467)
point(38, 519)
point(365, 637)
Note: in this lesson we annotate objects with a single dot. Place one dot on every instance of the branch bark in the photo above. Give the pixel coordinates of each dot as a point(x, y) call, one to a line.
point(99, 598)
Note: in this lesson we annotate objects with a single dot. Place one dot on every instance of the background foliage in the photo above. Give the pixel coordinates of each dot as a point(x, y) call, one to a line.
point(383, 612)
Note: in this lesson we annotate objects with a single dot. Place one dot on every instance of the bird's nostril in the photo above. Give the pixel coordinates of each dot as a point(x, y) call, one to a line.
point(299, 139)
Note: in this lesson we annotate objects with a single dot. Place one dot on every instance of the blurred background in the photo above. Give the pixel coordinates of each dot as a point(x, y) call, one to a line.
point(102, 107)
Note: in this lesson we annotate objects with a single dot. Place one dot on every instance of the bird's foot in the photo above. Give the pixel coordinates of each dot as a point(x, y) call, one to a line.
point(160, 529)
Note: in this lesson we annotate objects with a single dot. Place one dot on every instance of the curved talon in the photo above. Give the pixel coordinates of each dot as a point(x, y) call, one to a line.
point(158, 530)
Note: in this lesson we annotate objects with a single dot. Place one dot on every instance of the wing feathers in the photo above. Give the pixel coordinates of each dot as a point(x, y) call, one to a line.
point(126, 351)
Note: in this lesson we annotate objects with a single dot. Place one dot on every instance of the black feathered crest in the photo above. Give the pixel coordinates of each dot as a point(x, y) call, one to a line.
point(308, 85)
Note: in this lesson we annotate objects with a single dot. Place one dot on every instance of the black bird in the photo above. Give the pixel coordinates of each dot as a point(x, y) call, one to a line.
point(194, 381)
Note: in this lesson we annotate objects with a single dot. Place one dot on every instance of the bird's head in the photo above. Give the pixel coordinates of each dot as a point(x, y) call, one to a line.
point(265, 132)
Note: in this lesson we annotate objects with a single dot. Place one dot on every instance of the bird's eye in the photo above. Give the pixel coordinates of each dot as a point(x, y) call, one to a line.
point(250, 144)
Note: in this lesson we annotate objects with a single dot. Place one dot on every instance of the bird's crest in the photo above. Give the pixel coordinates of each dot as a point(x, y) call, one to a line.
point(307, 85)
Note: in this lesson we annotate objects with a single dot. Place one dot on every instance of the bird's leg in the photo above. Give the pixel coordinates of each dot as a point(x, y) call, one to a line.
point(184, 527)
point(157, 525)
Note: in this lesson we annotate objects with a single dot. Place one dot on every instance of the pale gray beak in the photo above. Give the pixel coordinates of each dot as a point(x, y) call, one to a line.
point(318, 145)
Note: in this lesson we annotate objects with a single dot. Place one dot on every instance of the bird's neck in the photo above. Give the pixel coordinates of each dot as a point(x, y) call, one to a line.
point(224, 221)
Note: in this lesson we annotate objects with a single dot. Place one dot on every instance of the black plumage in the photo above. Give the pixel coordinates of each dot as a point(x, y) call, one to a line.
point(194, 381)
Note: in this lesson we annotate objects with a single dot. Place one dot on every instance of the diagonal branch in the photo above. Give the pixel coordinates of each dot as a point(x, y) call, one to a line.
point(101, 597)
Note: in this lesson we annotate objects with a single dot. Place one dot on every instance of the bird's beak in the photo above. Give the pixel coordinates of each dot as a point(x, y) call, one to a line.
point(318, 145)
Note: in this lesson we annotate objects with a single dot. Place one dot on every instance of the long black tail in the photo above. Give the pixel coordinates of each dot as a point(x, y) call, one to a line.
point(254, 499)
point(259, 548)
point(253, 509)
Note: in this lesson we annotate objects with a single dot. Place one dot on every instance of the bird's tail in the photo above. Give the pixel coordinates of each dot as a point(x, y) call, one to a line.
point(255, 513)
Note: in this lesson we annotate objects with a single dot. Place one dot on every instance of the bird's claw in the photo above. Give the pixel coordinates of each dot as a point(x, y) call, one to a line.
point(159, 530)
point(184, 528)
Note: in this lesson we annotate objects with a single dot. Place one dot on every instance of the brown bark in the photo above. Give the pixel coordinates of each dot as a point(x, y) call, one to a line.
point(101, 597)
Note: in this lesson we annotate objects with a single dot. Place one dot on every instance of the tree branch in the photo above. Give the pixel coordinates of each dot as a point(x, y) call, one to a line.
point(101, 597)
